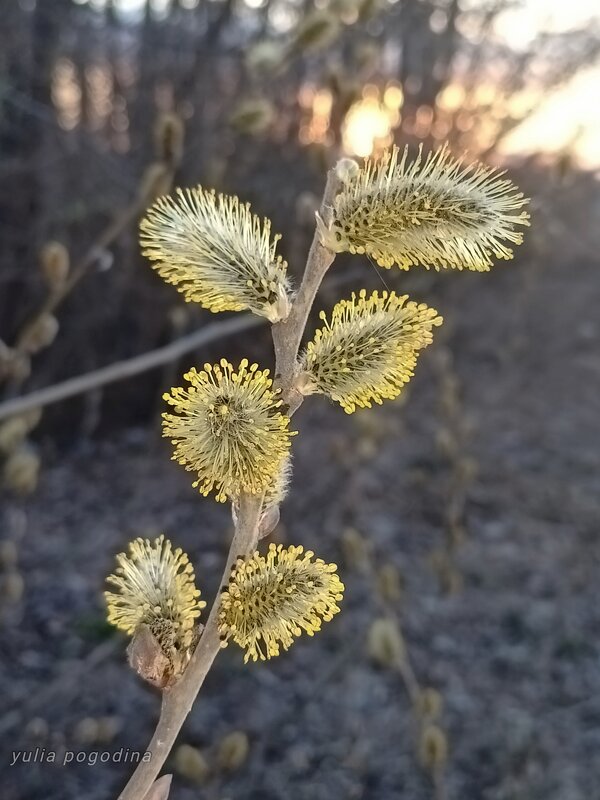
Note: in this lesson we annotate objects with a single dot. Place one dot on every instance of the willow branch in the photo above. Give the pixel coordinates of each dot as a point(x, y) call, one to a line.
point(178, 700)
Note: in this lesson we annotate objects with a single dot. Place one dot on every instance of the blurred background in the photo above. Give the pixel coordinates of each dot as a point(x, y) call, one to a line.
point(464, 516)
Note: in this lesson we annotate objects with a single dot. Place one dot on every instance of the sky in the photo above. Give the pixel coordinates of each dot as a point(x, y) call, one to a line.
point(572, 113)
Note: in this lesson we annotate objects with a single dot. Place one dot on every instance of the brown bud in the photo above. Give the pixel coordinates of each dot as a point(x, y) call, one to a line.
point(146, 657)
point(191, 764)
point(233, 751)
point(316, 31)
point(86, 731)
point(54, 263)
point(253, 116)
point(268, 521)
point(40, 334)
point(12, 433)
point(21, 471)
point(433, 748)
point(446, 442)
point(265, 57)
point(14, 430)
point(356, 549)
point(107, 728)
point(385, 643)
point(156, 182)
point(32, 417)
point(467, 469)
point(12, 587)
point(450, 395)
point(169, 134)
point(430, 703)
point(368, 9)
point(389, 583)
point(16, 366)
point(8, 553)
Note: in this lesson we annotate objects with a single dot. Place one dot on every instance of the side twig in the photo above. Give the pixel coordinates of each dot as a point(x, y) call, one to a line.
point(122, 370)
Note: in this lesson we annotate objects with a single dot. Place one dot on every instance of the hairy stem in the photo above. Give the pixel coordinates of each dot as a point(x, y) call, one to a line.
point(178, 700)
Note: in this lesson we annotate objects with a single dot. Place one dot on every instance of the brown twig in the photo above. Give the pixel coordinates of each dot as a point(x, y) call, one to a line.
point(128, 368)
point(122, 370)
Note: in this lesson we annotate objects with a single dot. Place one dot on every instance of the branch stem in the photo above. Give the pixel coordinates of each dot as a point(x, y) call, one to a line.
point(287, 336)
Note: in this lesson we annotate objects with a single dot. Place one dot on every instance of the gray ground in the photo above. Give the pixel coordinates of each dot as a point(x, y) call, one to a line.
point(515, 652)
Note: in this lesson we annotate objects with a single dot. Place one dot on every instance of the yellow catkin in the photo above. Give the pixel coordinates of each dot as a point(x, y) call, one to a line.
point(368, 350)
point(385, 643)
point(54, 263)
point(435, 211)
point(317, 30)
point(233, 751)
point(229, 429)
point(253, 116)
point(433, 748)
point(216, 252)
point(271, 599)
point(191, 764)
point(21, 470)
point(155, 587)
point(169, 133)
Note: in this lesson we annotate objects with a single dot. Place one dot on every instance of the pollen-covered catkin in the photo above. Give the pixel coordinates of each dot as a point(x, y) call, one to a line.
point(229, 429)
point(368, 350)
point(217, 253)
point(271, 599)
point(155, 587)
point(435, 211)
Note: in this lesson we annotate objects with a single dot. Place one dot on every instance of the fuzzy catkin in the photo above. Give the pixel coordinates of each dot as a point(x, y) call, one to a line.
point(229, 429)
point(154, 586)
point(271, 599)
point(367, 351)
point(435, 211)
point(216, 252)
